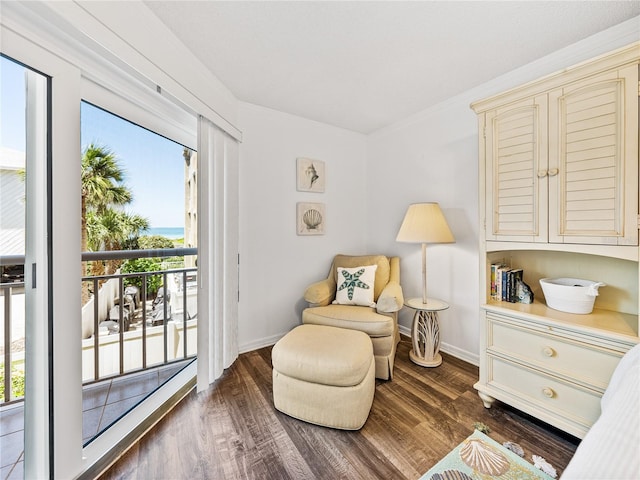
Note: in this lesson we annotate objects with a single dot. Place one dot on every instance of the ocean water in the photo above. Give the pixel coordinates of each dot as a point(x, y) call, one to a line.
point(168, 232)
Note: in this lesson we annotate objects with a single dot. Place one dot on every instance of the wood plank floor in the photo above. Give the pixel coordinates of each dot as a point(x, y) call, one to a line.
point(232, 430)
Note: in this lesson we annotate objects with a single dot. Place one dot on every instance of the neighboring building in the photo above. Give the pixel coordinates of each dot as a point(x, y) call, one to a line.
point(190, 204)
point(12, 202)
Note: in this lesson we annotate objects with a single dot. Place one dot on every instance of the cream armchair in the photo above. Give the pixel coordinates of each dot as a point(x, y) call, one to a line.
point(380, 322)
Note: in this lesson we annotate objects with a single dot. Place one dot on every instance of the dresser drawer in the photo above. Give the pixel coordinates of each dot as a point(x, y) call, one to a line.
point(578, 362)
point(575, 404)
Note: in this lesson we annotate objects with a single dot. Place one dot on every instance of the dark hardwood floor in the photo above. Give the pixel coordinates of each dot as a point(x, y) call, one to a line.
point(232, 430)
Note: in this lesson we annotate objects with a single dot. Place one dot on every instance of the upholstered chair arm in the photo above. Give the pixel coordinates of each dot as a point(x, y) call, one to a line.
point(320, 293)
point(391, 299)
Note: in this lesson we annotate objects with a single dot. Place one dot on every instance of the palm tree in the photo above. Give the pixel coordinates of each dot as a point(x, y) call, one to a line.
point(102, 188)
point(111, 230)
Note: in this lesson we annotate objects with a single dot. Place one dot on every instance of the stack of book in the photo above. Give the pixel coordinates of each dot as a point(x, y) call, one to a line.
point(503, 282)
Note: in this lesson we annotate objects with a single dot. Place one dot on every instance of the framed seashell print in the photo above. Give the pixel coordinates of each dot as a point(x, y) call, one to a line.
point(311, 218)
point(310, 175)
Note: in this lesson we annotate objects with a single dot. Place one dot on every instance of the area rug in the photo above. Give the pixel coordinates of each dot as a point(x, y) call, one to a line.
point(481, 458)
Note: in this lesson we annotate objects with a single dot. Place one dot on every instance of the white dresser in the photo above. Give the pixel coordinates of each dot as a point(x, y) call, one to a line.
point(559, 198)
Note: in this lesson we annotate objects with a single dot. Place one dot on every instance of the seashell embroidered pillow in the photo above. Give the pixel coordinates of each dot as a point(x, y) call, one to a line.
point(355, 286)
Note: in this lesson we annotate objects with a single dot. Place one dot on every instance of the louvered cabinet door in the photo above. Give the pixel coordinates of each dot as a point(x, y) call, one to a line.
point(516, 166)
point(593, 160)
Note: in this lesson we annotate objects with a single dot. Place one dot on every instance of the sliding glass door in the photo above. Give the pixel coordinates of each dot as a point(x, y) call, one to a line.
point(57, 442)
point(24, 262)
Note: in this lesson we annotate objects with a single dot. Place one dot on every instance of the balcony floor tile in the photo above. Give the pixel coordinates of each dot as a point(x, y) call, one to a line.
point(113, 411)
point(133, 386)
point(12, 418)
point(90, 422)
point(11, 446)
point(13, 472)
point(95, 395)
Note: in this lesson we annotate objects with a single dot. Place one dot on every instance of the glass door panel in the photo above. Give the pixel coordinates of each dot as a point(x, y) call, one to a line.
point(23, 225)
point(139, 321)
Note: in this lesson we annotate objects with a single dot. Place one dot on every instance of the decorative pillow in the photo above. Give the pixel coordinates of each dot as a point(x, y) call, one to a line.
point(351, 261)
point(355, 286)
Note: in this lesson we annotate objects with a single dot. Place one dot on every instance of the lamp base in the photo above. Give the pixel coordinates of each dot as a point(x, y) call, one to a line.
point(437, 360)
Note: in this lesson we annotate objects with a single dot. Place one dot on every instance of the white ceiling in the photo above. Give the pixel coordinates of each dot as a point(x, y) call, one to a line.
point(364, 65)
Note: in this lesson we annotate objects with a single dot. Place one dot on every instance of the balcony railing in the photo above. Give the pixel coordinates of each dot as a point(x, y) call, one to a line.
point(10, 291)
point(144, 333)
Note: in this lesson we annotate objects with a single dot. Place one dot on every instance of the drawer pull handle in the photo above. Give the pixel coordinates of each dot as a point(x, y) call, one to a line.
point(553, 172)
point(548, 392)
point(542, 173)
point(548, 351)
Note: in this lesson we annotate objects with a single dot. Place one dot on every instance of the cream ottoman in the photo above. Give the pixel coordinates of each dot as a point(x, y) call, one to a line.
point(324, 375)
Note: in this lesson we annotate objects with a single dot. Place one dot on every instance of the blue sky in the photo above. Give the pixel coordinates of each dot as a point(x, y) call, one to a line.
point(11, 105)
point(153, 165)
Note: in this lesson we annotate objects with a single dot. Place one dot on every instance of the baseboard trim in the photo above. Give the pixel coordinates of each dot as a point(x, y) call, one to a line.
point(260, 343)
point(468, 357)
point(406, 331)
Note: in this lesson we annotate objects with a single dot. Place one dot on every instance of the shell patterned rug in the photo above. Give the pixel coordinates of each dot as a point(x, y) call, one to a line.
point(481, 458)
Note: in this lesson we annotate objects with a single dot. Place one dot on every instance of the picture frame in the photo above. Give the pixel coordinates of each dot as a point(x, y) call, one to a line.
point(310, 175)
point(310, 218)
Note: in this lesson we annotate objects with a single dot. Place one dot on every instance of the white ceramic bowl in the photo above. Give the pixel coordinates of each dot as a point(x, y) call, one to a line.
point(572, 295)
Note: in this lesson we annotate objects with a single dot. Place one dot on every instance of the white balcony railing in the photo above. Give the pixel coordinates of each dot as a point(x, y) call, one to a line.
point(123, 331)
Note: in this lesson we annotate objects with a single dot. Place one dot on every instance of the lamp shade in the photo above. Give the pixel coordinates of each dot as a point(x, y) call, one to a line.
point(425, 223)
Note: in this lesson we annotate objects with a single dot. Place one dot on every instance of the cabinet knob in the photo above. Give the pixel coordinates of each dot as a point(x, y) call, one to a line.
point(548, 351)
point(548, 392)
point(553, 172)
point(542, 173)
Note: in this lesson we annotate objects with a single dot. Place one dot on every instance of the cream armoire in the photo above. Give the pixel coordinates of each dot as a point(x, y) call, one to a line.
point(559, 198)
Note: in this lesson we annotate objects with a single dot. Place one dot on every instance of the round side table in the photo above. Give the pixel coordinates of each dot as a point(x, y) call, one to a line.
point(425, 333)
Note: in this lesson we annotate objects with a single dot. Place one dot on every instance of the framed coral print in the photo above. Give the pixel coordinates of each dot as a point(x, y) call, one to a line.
point(311, 218)
point(310, 175)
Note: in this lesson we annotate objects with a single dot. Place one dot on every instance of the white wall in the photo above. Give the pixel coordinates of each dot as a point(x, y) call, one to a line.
point(276, 264)
point(431, 159)
point(433, 156)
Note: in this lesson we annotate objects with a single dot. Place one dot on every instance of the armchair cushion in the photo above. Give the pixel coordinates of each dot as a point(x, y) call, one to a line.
point(365, 319)
point(355, 285)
